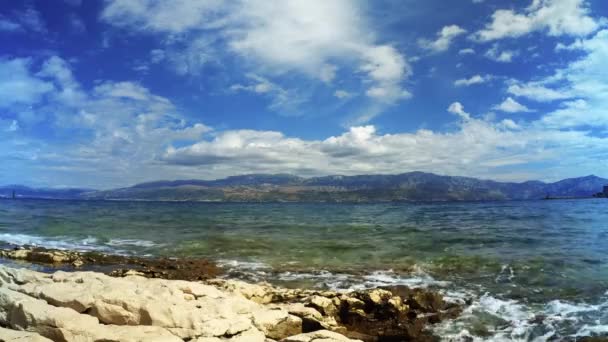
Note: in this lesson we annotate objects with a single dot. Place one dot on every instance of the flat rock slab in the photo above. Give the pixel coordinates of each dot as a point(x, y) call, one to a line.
point(89, 306)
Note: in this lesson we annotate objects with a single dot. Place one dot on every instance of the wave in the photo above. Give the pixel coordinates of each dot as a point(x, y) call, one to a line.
point(490, 318)
point(132, 242)
point(487, 318)
point(76, 244)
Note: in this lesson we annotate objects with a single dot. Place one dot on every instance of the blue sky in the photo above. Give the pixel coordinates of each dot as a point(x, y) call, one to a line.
point(110, 93)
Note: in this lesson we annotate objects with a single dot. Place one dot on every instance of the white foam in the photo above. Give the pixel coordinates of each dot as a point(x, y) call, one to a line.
point(243, 265)
point(70, 243)
point(558, 317)
point(418, 278)
point(57, 242)
point(132, 242)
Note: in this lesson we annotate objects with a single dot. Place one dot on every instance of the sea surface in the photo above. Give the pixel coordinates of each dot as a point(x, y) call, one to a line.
point(534, 270)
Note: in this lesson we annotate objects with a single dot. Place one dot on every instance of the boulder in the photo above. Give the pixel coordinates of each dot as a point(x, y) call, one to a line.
point(277, 324)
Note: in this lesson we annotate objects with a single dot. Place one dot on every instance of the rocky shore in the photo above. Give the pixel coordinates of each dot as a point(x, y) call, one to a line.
point(161, 300)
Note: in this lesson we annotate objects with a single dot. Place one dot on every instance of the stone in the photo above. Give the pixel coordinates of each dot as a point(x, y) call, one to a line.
point(90, 306)
point(324, 305)
point(319, 336)
point(7, 335)
point(259, 293)
point(21, 312)
point(277, 324)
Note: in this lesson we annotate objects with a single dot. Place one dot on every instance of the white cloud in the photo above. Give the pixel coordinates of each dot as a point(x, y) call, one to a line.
point(342, 94)
point(126, 90)
point(509, 124)
point(314, 38)
point(583, 83)
point(18, 85)
point(475, 79)
point(478, 148)
point(576, 45)
point(458, 109)
point(157, 55)
point(556, 17)
point(162, 16)
point(58, 70)
point(467, 51)
point(444, 38)
point(511, 106)
point(504, 56)
point(115, 128)
point(537, 92)
point(387, 68)
point(128, 134)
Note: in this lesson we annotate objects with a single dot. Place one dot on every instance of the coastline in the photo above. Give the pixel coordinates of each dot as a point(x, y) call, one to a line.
point(146, 299)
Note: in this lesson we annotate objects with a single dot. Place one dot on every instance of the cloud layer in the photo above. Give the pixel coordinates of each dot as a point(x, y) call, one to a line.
point(316, 39)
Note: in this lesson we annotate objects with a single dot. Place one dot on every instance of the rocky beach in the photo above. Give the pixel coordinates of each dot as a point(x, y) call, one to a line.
point(149, 300)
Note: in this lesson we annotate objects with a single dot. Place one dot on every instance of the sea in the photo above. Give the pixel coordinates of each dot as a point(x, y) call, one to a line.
point(529, 270)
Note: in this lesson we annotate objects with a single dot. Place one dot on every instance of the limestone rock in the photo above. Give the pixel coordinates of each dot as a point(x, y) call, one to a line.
point(319, 336)
point(277, 324)
point(324, 305)
point(89, 306)
point(7, 335)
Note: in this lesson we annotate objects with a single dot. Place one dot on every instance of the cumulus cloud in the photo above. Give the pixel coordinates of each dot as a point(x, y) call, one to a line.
point(458, 109)
point(313, 38)
point(511, 106)
point(444, 38)
point(18, 85)
point(477, 148)
point(555, 17)
point(475, 79)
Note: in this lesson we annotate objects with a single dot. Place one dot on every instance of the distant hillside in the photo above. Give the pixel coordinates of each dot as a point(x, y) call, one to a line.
point(413, 186)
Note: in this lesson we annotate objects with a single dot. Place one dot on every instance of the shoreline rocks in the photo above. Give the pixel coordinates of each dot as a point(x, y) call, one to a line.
point(118, 265)
point(141, 304)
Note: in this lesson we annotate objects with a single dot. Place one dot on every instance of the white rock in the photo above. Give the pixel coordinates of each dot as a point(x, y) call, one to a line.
point(89, 306)
point(7, 335)
point(319, 336)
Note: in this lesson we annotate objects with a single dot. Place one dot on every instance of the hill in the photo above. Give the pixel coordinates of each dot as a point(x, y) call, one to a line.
point(412, 186)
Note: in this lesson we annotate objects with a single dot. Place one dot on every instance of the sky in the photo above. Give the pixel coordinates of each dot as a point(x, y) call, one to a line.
point(109, 93)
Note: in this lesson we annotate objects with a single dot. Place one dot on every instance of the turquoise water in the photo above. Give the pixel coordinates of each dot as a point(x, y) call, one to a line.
point(535, 270)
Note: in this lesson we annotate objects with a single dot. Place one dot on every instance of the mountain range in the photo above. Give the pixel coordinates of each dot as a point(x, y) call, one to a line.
point(412, 186)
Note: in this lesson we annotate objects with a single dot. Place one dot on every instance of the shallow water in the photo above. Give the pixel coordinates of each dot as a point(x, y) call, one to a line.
point(536, 270)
